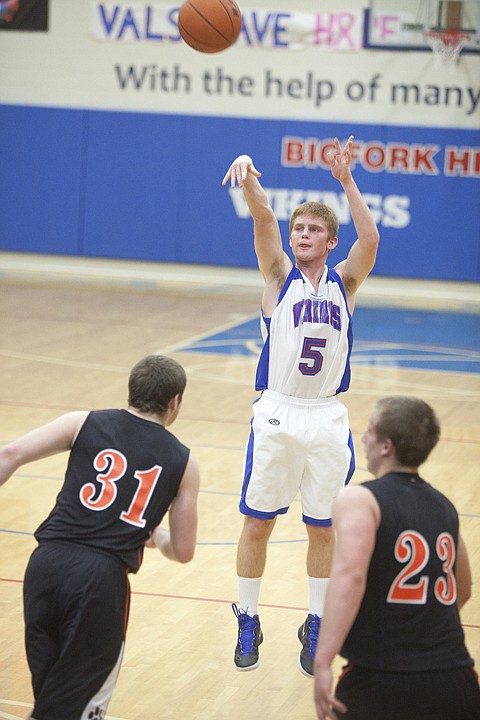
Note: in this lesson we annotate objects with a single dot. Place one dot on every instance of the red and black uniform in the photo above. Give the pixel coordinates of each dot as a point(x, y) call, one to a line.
point(406, 649)
point(123, 473)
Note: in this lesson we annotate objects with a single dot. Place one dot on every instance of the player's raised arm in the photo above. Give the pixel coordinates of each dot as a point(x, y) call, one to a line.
point(361, 258)
point(272, 261)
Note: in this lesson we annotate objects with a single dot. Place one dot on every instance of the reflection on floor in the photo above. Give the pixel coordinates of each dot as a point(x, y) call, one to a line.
point(384, 336)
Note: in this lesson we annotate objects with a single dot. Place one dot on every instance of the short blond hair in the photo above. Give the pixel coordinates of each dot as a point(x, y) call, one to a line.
point(320, 210)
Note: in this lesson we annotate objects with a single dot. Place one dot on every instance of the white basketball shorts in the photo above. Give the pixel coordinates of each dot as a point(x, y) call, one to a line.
point(296, 445)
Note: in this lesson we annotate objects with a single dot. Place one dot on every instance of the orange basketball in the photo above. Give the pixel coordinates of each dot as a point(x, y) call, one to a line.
point(209, 26)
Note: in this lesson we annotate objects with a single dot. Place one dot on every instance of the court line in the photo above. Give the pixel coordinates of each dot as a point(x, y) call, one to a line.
point(8, 716)
point(193, 598)
point(61, 361)
point(204, 543)
point(218, 330)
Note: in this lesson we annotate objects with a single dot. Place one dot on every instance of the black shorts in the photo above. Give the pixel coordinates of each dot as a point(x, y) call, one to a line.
point(76, 603)
point(434, 695)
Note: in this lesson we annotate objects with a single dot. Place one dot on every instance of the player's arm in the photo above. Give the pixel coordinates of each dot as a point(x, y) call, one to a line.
point(178, 543)
point(356, 516)
point(54, 437)
point(361, 258)
point(463, 574)
point(273, 262)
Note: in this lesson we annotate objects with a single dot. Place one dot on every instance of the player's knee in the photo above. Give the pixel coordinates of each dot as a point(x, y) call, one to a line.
point(322, 535)
point(258, 530)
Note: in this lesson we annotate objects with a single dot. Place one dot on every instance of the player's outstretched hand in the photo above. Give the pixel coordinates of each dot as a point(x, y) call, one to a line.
point(341, 160)
point(237, 172)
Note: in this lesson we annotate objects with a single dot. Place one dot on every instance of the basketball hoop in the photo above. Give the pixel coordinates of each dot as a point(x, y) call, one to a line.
point(447, 45)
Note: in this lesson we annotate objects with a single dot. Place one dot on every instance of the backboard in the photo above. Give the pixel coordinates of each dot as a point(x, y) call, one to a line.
point(403, 24)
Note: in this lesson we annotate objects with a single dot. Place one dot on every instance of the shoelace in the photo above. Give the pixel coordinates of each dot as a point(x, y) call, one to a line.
point(314, 628)
point(247, 627)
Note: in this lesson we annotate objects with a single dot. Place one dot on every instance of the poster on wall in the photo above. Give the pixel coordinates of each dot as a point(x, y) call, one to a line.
point(130, 131)
point(24, 15)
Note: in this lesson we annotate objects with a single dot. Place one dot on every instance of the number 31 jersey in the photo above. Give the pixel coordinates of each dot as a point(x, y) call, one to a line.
point(123, 473)
point(308, 339)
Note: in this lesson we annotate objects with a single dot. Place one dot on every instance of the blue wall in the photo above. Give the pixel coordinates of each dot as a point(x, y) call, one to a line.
point(148, 187)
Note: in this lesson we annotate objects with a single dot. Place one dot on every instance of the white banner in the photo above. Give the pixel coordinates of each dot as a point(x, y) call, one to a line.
point(156, 23)
point(286, 65)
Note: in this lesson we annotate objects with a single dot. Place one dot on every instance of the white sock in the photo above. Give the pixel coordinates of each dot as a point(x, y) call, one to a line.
point(248, 594)
point(318, 589)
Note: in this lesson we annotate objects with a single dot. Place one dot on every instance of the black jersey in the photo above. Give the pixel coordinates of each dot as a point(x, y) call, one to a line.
point(408, 619)
point(123, 473)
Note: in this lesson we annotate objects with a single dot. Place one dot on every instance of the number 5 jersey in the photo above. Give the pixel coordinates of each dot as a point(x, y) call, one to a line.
point(308, 339)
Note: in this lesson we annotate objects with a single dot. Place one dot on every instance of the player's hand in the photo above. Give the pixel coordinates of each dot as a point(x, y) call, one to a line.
point(157, 538)
point(324, 698)
point(150, 543)
point(237, 172)
point(341, 160)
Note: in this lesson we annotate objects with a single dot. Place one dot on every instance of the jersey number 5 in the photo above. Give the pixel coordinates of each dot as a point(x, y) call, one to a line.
point(412, 548)
point(111, 466)
point(311, 352)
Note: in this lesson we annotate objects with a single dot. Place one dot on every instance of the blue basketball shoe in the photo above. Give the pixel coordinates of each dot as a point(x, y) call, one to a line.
point(308, 636)
point(250, 636)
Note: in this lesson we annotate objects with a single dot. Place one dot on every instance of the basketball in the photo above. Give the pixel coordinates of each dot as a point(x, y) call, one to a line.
point(209, 26)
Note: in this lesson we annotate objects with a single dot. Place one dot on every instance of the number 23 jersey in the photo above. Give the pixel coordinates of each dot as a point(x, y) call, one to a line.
point(308, 339)
point(122, 476)
point(408, 620)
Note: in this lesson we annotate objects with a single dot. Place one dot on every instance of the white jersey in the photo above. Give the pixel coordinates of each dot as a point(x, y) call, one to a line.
point(308, 339)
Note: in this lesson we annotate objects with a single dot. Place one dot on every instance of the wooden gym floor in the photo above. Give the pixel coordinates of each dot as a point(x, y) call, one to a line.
point(72, 328)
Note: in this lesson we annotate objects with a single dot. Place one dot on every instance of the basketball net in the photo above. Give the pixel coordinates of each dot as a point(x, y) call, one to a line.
point(446, 45)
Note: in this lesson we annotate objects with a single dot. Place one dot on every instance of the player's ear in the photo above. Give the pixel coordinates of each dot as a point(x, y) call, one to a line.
point(388, 447)
point(174, 403)
point(332, 242)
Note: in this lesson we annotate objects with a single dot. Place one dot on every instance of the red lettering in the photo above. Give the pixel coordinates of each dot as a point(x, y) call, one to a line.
point(292, 151)
point(462, 161)
point(325, 148)
point(422, 160)
point(399, 158)
point(476, 163)
point(310, 152)
point(374, 156)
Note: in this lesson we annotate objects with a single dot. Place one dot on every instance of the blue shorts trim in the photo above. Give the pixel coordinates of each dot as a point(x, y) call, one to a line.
point(324, 522)
point(245, 510)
